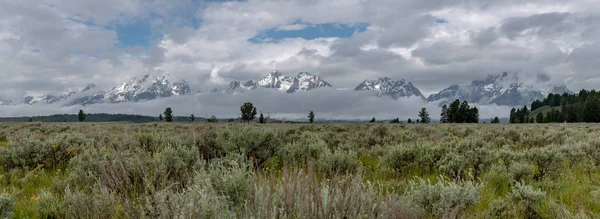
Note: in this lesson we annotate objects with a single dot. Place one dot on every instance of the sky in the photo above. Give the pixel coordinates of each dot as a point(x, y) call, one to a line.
point(57, 46)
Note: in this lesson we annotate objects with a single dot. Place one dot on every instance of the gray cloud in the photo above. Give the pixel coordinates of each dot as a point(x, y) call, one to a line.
point(55, 46)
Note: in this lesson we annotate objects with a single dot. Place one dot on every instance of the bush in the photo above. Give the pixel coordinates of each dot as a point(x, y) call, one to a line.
point(527, 199)
point(442, 197)
point(547, 160)
point(6, 205)
point(423, 158)
point(521, 172)
point(338, 163)
point(230, 177)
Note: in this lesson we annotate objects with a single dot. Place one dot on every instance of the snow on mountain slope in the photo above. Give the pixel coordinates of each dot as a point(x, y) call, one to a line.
point(275, 80)
point(505, 89)
point(388, 87)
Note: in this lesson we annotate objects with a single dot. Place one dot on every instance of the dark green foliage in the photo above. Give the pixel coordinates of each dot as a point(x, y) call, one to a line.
point(396, 120)
point(461, 113)
point(212, 119)
point(160, 117)
point(444, 114)
point(571, 108)
point(311, 116)
point(81, 116)
point(248, 112)
point(409, 121)
point(591, 110)
point(168, 114)
point(261, 119)
point(372, 120)
point(424, 115)
point(540, 118)
point(495, 120)
point(192, 118)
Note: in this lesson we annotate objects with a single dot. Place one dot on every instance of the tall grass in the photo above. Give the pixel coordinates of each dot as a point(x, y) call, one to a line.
point(116, 170)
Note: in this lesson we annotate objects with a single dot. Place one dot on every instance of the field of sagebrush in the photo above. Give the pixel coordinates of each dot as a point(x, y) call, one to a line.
point(93, 170)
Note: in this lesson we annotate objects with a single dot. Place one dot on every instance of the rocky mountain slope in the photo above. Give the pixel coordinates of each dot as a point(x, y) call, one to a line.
point(390, 88)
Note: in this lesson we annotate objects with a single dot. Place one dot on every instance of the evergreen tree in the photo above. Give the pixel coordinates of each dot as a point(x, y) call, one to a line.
point(160, 118)
point(453, 112)
point(396, 120)
point(248, 112)
point(463, 112)
point(496, 120)
point(192, 118)
point(261, 119)
point(424, 115)
point(473, 115)
point(311, 116)
point(372, 120)
point(539, 118)
point(81, 116)
point(444, 114)
point(168, 114)
point(513, 116)
point(30, 119)
point(591, 110)
point(212, 119)
point(409, 121)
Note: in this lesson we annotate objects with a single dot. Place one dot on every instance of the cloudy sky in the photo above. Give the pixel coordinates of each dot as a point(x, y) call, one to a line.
point(56, 46)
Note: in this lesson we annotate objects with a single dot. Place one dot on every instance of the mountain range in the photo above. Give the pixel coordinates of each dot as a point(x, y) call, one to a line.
point(275, 80)
point(503, 89)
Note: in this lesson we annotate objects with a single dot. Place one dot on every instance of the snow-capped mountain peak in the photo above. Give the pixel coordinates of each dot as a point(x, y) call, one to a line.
point(302, 82)
point(503, 89)
point(387, 87)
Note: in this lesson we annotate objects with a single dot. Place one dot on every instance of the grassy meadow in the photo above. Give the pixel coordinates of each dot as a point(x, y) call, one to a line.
point(201, 170)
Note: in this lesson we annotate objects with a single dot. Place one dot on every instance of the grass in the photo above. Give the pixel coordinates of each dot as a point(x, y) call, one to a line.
point(183, 170)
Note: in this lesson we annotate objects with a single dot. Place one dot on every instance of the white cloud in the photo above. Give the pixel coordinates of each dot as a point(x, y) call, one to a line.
point(55, 46)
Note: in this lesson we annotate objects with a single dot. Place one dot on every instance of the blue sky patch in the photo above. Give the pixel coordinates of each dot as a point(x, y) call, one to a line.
point(310, 32)
point(441, 21)
point(136, 34)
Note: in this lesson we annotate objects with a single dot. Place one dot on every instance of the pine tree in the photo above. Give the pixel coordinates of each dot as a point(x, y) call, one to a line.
point(591, 110)
point(168, 114)
point(30, 119)
point(496, 120)
point(396, 120)
point(513, 113)
point(463, 112)
point(212, 119)
point(409, 121)
point(453, 112)
point(248, 112)
point(160, 118)
point(473, 115)
point(261, 119)
point(539, 118)
point(444, 114)
point(81, 116)
point(192, 118)
point(311, 116)
point(372, 120)
point(424, 115)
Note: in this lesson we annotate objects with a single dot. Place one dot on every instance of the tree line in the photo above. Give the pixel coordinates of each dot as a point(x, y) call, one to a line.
point(457, 112)
point(571, 108)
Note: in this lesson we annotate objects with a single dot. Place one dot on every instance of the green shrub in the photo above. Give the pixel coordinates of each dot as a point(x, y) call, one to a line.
point(230, 177)
point(547, 160)
point(174, 166)
point(527, 199)
point(423, 158)
point(498, 179)
point(6, 205)
point(521, 172)
point(442, 197)
point(339, 162)
point(500, 209)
